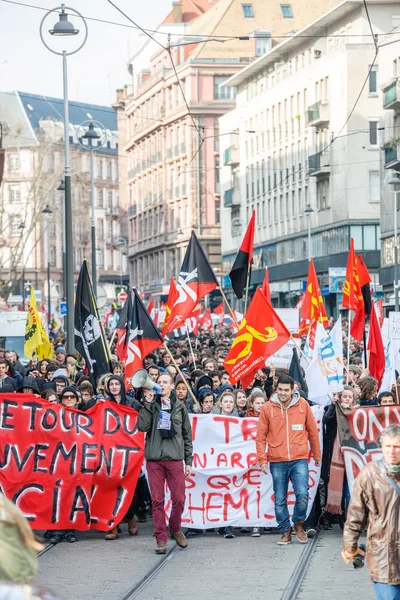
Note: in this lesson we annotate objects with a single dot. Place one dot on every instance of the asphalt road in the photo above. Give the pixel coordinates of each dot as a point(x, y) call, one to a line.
point(243, 568)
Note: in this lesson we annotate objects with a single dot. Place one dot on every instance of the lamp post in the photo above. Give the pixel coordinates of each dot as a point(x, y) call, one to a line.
point(92, 136)
point(393, 185)
point(61, 188)
point(308, 211)
point(21, 228)
point(64, 28)
point(47, 211)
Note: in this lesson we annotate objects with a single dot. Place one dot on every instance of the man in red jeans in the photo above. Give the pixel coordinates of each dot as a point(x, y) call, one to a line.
point(168, 443)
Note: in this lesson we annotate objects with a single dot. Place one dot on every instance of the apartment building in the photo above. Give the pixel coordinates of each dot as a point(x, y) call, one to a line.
point(297, 153)
point(33, 138)
point(389, 58)
point(173, 157)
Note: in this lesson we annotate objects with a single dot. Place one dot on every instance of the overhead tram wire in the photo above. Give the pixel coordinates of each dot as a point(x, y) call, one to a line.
point(199, 35)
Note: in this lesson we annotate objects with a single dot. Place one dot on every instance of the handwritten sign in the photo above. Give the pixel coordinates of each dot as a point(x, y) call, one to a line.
point(394, 325)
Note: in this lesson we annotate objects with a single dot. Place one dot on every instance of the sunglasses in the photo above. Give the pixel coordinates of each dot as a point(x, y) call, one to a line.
point(69, 397)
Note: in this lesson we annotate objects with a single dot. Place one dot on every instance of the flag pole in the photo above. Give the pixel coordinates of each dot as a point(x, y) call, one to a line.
point(229, 307)
point(189, 389)
point(348, 347)
point(299, 349)
point(190, 346)
point(247, 288)
point(112, 339)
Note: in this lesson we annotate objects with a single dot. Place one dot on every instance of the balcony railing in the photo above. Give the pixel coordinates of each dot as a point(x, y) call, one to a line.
point(317, 115)
point(318, 164)
point(392, 155)
point(231, 156)
point(391, 95)
point(231, 197)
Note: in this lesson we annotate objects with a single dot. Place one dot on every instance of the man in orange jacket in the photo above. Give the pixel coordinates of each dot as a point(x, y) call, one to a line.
point(287, 423)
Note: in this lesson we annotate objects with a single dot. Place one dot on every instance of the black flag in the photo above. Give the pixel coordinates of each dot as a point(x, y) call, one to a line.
point(295, 370)
point(90, 341)
point(243, 260)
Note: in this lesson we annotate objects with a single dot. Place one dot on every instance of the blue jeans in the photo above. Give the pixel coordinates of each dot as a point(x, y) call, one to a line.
point(297, 472)
point(384, 591)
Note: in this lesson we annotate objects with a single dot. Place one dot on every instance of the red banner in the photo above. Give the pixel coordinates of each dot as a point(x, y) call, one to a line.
point(67, 469)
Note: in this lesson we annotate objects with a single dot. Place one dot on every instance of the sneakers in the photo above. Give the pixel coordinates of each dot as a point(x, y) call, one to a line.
point(229, 533)
point(311, 532)
point(286, 538)
point(161, 548)
point(255, 532)
point(179, 538)
point(300, 533)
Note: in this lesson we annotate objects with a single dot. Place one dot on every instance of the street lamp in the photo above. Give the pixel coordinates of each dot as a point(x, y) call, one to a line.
point(21, 228)
point(47, 211)
point(64, 28)
point(392, 184)
point(308, 211)
point(92, 137)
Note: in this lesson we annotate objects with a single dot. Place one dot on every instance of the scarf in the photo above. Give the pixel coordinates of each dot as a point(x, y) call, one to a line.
point(392, 469)
point(336, 479)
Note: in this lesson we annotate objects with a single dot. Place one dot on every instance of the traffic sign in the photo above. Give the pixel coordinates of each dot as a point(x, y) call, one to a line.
point(122, 296)
point(63, 309)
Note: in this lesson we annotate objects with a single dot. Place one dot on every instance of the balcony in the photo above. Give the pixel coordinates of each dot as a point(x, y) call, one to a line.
point(392, 154)
point(232, 197)
point(318, 164)
point(391, 95)
point(231, 156)
point(317, 115)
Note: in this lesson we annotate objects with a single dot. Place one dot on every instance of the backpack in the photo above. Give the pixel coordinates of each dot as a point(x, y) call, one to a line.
point(18, 547)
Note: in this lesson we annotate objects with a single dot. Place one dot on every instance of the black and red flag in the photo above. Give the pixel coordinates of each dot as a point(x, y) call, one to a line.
point(244, 258)
point(196, 280)
point(137, 335)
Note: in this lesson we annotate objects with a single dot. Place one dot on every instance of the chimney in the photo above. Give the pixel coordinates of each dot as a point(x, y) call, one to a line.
point(177, 11)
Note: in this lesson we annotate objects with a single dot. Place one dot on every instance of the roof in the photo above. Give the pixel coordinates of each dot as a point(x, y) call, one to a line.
point(41, 108)
point(191, 9)
point(279, 53)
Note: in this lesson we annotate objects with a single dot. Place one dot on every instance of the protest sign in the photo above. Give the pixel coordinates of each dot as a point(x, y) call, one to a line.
point(67, 469)
point(227, 486)
point(282, 358)
point(394, 325)
point(359, 432)
point(290, 317)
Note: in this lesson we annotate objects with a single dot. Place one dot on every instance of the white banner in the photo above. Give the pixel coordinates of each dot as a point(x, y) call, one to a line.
point(283, 358)
point(324, 375)
point(228, 486)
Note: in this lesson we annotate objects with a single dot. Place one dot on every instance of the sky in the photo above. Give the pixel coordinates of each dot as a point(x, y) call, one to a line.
point(96, 71)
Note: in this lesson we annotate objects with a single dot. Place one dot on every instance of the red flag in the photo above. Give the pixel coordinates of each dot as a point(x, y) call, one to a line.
point(205, 320)
point(313, 306)
point(377, 361)
point(196, 280)
point(137, 335)
point(352, 295)
point(261, 334)
point(172, 296)
point(220, 311)
point(244, 257)
point(150, 306)
point(265, 286)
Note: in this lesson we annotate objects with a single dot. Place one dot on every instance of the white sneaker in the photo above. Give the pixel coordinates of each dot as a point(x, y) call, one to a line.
point(255, 532)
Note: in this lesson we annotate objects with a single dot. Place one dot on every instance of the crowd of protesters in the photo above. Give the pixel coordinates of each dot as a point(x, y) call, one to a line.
point(64, 379)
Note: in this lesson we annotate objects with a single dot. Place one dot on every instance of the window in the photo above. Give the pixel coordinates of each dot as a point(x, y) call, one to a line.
point(223, 93)
point(100, 199)
point(52, 256)
point(374, 192)
point(13, 162)
point(287, 11)
point(373, 81)
point(100, 168)
point(356, 233)
point(217, 212)
point(100, 229)
point(15, 223)
point(109, 170)
point(262, 45)
point(14, 194)
point(373, 133)
point(248, 11)
point(395, 21)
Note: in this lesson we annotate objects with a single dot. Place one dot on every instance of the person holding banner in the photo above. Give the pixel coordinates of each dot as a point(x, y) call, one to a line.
point(375, 502)
point(168, 443)
point(287, 424)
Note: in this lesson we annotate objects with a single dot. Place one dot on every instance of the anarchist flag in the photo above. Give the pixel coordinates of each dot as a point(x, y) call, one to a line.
point(137, 335)
point(261, 334)
point(357, 328)
point(265, 286)
point(90, 340)
point(244, 257)
point(196, 280)
point(313, 308)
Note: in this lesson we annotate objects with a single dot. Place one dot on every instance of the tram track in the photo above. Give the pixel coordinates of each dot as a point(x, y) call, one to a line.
point(46, 549)
point(293, 587)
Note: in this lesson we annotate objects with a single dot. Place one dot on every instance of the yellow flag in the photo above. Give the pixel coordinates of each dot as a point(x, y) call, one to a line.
point(36, 340)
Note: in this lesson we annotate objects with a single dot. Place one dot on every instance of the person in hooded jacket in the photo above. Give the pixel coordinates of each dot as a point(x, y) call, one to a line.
point(115, 392)
point(287, 424)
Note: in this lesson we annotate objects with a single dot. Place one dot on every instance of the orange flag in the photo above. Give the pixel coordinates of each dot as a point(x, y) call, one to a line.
point(313, 308)
point(261, 334)
point(352, 295)
point(172, 296)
